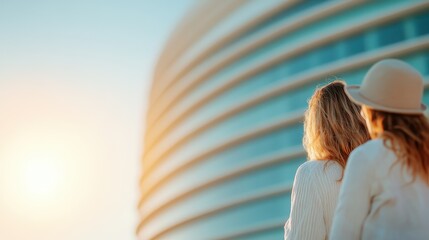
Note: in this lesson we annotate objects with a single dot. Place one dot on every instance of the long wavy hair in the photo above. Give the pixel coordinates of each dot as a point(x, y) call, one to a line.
point(406, 135)
point(333, 126)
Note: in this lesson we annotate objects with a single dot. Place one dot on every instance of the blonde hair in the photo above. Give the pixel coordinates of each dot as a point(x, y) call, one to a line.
point(333, 126)
point(407, 135)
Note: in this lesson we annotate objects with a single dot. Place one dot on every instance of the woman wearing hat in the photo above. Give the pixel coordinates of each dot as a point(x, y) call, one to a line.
point(333, 127)
point(385, 190)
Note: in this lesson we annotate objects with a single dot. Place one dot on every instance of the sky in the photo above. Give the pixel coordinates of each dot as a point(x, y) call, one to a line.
point(74, 78)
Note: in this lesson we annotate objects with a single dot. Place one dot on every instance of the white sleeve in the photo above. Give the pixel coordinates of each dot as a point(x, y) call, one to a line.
point(354, 199)
point(306, 217)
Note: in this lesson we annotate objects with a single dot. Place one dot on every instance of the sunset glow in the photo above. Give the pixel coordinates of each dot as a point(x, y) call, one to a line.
point(40, 164)
point(41, 177)
point(73, 82)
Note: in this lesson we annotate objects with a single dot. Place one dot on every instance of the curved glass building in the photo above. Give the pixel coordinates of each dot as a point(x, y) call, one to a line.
point(224, 128)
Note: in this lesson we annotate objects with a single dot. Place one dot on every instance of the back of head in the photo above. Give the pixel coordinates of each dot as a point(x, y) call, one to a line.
point(406, 134)
point(333, 126)
point(391, 95)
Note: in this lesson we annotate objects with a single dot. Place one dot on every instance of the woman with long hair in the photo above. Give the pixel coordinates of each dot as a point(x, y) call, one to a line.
point(385, 191)
point(333, 127)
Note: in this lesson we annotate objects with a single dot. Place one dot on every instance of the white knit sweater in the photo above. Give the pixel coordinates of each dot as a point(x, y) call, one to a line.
point(314, 198)
point(379, 200)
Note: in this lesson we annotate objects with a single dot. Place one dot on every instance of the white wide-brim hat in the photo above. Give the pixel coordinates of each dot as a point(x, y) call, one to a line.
point(390, 85)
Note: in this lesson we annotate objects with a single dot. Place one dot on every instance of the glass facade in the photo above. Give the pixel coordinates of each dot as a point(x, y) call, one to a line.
point(225, 170)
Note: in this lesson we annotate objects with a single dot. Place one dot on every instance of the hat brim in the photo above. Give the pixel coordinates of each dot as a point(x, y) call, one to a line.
point(353, 92)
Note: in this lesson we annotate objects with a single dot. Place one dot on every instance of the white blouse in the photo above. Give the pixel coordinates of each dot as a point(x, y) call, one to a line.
point(314, 198)
point(378, 200)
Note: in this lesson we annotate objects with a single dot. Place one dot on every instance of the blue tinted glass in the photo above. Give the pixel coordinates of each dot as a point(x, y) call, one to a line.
point(240, 155)
point(426, 97)
point(328, 53)
point(391, 33)
point(426, 63)
point(280, 174)
point(295, 65)
point(278, 140)
point(279, 72)
point(421, 22)
point(355, 77)
point(299, 63)
point(245, 216)
point(299, 7)
point(258, 115)
point(354, 45)
point(275, 233)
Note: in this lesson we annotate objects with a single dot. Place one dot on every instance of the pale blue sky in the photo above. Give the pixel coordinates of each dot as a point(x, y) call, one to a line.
point(74, 76)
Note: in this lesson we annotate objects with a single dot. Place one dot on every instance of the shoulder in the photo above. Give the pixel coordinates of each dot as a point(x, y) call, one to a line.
point(371, 145)
point(318, 169)
point(318, 166)
point(368, 151)
point(366, 158)
point(311, 167)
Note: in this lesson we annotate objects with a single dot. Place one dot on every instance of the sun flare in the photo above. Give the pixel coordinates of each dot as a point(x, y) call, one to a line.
point(42, 177)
